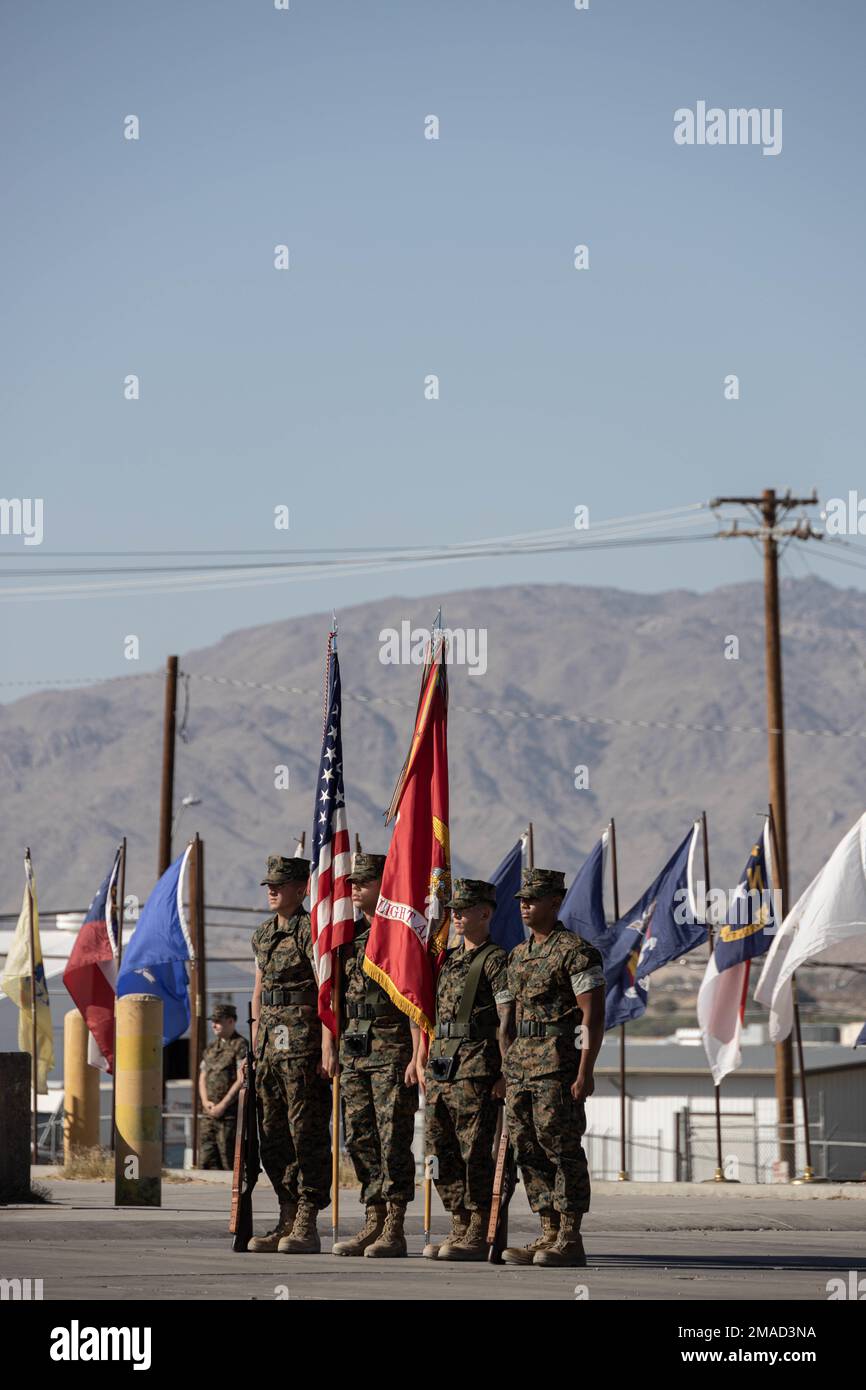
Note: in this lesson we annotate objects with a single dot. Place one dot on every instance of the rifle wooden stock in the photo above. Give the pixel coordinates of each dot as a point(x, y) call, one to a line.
point(504, 1181)
point(245, 1170)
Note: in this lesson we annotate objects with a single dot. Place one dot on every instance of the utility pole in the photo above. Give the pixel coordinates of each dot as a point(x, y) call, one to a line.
point(769, 510)
point(167, 795)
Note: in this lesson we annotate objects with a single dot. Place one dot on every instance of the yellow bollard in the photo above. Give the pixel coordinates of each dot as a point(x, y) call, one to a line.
point(138, 1101)
point(80, 1089)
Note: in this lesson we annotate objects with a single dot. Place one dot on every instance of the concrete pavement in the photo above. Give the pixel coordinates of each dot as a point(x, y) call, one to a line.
point(643, 1241)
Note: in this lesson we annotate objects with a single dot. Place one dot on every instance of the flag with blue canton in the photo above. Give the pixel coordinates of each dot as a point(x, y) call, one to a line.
point(154, 960)
point(506, 924)
point(331, 913)
point(654, 932)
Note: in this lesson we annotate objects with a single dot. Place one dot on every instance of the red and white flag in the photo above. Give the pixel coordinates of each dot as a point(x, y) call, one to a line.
point(90, 976)
point(332, 915)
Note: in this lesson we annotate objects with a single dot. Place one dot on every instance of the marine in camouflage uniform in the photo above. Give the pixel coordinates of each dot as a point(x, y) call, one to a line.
point(293, 1097)
point(461, 1109)
point(218, 1077)
point(378, 1046)
point(554, 976)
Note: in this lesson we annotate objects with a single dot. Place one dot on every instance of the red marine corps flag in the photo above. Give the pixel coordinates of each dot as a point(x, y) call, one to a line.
point(410, 928)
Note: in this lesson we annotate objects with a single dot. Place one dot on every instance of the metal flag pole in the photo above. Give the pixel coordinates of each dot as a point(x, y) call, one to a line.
point(34, 1037)
point(623, 1167)
point(336, 1004)
point(118, 957)
point(335, 1096)
point(719, 1175)
point(808, 1171)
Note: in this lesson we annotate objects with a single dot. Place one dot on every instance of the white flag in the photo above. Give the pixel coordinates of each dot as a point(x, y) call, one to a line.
point(832, 911)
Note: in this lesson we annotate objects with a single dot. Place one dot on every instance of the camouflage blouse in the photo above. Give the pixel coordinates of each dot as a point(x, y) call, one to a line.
point(284, 954)
point(219, 1064)
point(544, 980)
point(476, 1057)
point(390, 1033)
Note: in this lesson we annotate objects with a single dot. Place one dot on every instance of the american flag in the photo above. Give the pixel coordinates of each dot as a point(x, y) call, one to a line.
point(331, 911)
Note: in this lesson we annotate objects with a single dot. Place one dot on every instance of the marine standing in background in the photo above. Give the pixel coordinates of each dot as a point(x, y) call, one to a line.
point(293, 1096)
point(557, 983)
point(378, 1077)
point(219, 1083)
point(463, 1074)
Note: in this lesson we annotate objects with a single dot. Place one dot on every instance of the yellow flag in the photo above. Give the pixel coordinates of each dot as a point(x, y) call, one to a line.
point(17, 982)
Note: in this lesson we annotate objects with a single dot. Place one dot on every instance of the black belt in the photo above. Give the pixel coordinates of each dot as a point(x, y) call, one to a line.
point(476, 1032)
point(531, 1028)
point(367, 1010)
point(278, 998)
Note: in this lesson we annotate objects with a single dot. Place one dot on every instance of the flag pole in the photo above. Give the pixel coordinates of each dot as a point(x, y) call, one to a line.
point(118, 956)
point(336, 1004)
point(425, 1043)
point(719, 1175)
point(34, 1032)
point(335, 1098)
point(808, 1171)
point(623, 1170)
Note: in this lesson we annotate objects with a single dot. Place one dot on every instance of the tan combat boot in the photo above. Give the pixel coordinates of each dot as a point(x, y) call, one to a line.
point(525, 1255)
point(392, 1241)
point(373, 1227)
point(459, 1227)
point(267, 1244)
point(473, 1245)
point(303, 1239)
point(568, 1248)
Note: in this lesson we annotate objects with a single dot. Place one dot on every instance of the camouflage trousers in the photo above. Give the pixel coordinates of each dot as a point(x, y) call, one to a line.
point(545, 1126)
point(379, 1124)
point(460, 1124)
point(216, 1141)
point(294, 1127)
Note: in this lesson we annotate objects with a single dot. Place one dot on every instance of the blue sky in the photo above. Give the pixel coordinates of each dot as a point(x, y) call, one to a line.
point(411, 257)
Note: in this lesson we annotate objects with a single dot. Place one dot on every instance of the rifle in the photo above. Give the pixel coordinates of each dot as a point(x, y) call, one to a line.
point(504, 1183)
point(246, 1165)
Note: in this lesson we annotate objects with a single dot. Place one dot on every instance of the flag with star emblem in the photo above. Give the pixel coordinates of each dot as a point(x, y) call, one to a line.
point(90, 976)
point(410, 929)
point(331, 912)
point(659, 928)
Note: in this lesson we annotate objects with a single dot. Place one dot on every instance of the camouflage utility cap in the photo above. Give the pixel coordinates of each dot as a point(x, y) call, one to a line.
point(220, 1012)
point(367, 867)
point(282, 870)
point(541, 883)
point(469, 892)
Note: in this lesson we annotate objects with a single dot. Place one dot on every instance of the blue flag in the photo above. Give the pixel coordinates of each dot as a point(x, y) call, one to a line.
point(154, 960)
point(506, 924)
point(658, 929)
point(752, 921)
point(861, 1037)
point(582, 909)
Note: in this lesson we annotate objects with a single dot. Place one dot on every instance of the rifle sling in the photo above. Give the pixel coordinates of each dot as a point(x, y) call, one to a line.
point(448, 1047)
